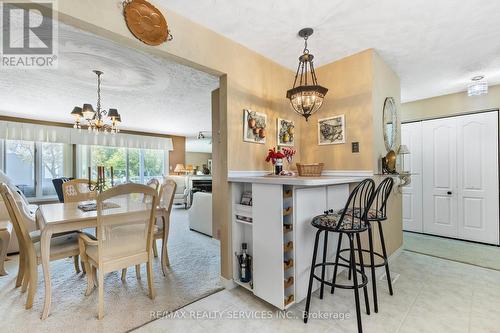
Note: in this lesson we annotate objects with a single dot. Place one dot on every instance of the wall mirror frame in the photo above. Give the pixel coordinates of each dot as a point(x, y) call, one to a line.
point(390, 123)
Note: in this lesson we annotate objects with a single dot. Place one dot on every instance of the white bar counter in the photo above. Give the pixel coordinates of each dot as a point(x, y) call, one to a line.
point(277, 230)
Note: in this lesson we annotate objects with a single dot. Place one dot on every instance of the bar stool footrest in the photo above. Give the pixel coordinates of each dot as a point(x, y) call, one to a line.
point(369, 265)
point(364, 278)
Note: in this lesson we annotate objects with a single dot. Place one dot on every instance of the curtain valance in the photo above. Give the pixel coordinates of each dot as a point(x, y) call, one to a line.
point(33, 132)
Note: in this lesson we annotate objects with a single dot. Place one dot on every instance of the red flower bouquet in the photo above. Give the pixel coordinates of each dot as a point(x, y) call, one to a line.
point(273, 156)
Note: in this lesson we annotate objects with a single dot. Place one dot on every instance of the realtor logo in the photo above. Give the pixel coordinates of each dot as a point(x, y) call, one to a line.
point(29, 32)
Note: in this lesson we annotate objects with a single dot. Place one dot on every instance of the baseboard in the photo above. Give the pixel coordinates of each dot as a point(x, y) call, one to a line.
point(379, 271)
point(227, 283)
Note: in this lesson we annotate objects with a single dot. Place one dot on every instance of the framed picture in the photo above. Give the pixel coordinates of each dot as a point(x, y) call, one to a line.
point(254, 126)
point(286, 132)
point(331, 130)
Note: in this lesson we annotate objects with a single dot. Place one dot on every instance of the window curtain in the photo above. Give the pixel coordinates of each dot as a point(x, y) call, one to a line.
point(42, 133)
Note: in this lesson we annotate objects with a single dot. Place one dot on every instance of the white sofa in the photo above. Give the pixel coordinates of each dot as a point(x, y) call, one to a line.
point(181, 191)
point(200, 213)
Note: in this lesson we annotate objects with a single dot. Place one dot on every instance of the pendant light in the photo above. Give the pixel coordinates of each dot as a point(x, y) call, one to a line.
point(306, 96)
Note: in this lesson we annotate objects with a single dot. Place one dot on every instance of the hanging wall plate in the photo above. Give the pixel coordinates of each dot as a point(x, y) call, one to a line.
point(146, 22)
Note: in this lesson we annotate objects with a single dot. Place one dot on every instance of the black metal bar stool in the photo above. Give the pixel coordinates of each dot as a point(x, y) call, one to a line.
point(351, 225)
point(377, 213)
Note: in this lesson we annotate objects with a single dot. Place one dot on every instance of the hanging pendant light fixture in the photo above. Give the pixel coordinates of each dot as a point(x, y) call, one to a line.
point(306, 96)
point(95, 120)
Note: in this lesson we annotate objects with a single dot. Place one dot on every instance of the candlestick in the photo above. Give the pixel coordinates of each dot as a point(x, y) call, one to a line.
point(112, 180)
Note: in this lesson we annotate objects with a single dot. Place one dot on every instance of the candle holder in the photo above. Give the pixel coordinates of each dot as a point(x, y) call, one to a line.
point(100, 184)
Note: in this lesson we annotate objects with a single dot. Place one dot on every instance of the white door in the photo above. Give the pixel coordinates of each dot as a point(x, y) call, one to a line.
point(439, 169)
point(411, 136)
point(477, 177)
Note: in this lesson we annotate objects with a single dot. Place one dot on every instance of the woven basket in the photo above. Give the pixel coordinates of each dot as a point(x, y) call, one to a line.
point(310, 170)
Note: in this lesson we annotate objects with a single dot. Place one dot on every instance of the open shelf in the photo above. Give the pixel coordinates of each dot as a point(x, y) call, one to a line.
point(243, 222)
point(245, 285)
point(243, 210)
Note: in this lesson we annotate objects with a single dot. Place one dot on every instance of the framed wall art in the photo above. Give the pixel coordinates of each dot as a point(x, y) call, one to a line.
point(286, 132)
point(331, 130)
point(254, 126)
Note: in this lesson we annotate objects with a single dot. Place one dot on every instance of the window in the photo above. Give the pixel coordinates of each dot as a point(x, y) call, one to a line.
point(52, 165)
point(20, 165)
point(153, 164)
point(33, 165)
point(129, 164)
point(109, 157)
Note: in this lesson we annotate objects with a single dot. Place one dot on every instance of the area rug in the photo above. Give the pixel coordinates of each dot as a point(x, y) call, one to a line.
point(193, 274)
point(487, 256)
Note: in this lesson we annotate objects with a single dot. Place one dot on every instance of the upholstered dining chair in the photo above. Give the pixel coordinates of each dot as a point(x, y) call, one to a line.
point(61, 246)
point(77, 190)
point(163, 211)
point(125, 218)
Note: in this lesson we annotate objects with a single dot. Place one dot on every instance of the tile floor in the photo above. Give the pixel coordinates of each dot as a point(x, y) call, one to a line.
point(431, 295)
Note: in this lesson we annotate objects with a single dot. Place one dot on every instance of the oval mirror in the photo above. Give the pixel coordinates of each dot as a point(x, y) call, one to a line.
point(390, 123)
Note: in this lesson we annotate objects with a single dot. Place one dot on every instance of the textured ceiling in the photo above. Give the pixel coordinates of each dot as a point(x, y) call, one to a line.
point(435, 46)
point(151, 94)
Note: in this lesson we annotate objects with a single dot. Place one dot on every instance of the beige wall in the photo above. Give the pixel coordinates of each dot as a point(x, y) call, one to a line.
point(386, 83)
point(452, 104)
point(177, 156)
point(197, 159)
point(349, 82)
point(358, 86)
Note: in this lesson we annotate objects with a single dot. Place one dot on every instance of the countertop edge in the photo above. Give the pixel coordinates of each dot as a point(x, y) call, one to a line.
point(298, 181)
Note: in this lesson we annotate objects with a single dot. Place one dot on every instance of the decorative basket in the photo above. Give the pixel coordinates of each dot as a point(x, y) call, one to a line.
point(310, 170)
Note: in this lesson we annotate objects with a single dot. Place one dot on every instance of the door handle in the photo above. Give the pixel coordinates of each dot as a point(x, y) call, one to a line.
point(449, 193)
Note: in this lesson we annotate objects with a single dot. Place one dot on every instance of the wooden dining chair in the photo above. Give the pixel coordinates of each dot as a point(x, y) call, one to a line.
point(163, 211)
point(61, 247)
point(77, 190)
point(125, 218)
point(154, 183)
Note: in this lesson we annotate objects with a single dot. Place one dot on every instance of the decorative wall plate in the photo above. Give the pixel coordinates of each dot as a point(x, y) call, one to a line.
point(146, 22)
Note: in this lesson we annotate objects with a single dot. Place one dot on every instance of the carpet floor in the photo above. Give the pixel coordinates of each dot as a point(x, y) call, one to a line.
point(193, 274)
point(487, 256)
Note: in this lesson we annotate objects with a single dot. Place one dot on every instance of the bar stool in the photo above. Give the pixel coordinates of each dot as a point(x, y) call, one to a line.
point(378, 214)
point(351, 225)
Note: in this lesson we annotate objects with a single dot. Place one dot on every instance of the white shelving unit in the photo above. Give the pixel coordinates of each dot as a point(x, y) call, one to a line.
point(272, 220)
point(242, 231)
point(280, 232)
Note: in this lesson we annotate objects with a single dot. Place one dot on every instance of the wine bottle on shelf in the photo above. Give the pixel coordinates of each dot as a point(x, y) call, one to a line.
point(245, 262)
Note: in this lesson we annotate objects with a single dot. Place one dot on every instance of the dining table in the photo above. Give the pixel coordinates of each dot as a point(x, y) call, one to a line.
point(60, 218)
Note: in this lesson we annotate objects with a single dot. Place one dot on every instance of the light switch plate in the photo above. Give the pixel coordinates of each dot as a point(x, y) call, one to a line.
point(355, 147)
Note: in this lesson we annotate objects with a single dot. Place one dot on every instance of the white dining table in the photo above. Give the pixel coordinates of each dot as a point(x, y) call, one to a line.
point(59, 218)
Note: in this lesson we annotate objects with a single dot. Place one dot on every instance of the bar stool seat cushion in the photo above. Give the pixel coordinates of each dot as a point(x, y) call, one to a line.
point(330, 221)
point(373, 214)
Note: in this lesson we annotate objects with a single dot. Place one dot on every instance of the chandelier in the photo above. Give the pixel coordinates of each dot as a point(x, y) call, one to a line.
point(306, 96)
point(96, 120)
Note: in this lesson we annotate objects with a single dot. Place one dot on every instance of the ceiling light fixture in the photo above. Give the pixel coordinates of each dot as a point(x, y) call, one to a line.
point(306, 96)
point(478, 86)
point(95, 120)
